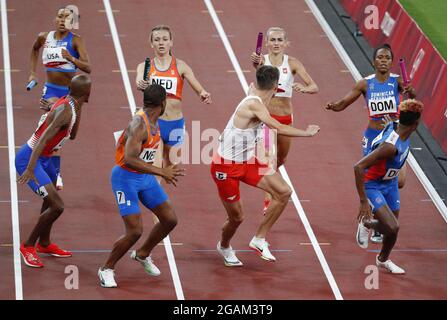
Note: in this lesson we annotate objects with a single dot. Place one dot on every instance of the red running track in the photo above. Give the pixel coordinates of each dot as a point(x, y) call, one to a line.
point(320, 168)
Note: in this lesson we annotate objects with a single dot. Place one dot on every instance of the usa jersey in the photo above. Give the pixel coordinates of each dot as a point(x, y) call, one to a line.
point(382, 98)
point(52, 53)
point(388, 169)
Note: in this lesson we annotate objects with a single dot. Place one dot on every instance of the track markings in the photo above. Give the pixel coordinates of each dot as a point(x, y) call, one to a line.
point(119, 35)
point(234, 71)
point(282, 170)
point(129, 71)
point(217, 11)
point(14, 107)
point(11, 155)
point(6, 147)
point(19, 201)
point(218, 36)
point(104, 11)
point(319, 243)
point(10, 70)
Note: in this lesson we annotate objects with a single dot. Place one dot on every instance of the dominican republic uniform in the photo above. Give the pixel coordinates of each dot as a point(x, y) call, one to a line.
point(45, 172)
point(128, 185)
point(172, 131)
point(54, 62)
point(381, 184)
point(235, 158)
point(285, 83)
point(381, 99)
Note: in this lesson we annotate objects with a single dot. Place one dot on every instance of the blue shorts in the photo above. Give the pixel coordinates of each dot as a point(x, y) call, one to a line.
point(44, 171)
point(172, 132)
point(368, 138)
point(382, 193)
point(51, 90)
point(129, 187)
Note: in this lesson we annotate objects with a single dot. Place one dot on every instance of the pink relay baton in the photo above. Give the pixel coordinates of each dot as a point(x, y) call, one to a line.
point(403, 70)
point(259, 43)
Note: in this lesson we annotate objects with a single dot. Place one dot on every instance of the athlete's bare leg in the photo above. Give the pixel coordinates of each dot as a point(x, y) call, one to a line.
point(53, 208)
point(387, 225)
point(283, 143)
point(234, 220)
point(167, 220)
point(134, 229)
point(276, 186)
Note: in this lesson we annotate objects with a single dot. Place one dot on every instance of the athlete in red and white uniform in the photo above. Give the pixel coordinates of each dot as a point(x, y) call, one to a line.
point(34, 165)
point(235, 161)
point(280, 107)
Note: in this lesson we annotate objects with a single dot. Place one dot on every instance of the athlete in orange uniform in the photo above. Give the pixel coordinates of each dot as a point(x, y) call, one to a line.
point(133, 180)
point(170, 73)
point(280, 107)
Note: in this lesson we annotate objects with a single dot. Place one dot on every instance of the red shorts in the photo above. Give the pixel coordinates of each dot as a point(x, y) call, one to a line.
point(287, 120)
point(227, 176)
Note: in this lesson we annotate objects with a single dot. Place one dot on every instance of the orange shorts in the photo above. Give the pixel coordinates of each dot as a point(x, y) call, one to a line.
point(227, 176)
point(287, 120)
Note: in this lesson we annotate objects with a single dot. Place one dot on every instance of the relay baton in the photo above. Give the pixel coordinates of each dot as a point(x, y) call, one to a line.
point(403, 70)
point(259, 43)
point(31, 85)
point(147, 66)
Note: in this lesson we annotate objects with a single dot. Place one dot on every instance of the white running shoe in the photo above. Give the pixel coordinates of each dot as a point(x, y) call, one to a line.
point(389, 266)
point(107, 278)
point(376, 237)
point(149, 266)
point(230, 259)
point(362, 235)
point(59, 183)
point(261, 247)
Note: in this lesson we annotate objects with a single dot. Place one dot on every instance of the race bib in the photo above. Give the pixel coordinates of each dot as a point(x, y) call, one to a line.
point(391, 174)
point(382, 103)
point(170, 84)
point(148, 155)
point(53, 57)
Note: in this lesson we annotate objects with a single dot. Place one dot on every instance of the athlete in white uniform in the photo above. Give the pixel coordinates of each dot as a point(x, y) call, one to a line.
point(280, 107)
point(235, 161)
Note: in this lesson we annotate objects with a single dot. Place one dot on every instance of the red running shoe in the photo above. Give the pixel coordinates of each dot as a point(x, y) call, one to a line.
point(54, 250)
point(30, 256)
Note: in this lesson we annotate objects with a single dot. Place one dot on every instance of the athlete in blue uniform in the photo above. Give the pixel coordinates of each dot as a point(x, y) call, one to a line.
point(377, 183)
point(63, 52)
point(381, 91)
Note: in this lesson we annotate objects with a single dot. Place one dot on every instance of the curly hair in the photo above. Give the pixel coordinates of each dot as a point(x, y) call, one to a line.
point(410, 111)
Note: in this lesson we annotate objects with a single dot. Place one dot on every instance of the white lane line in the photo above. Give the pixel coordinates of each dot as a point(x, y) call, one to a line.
point(439, 204)
point(132, 106)
point(296, 202)
point(11, 153)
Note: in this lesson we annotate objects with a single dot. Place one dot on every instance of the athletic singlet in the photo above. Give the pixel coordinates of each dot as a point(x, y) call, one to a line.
point(239, 144)
point(285, 76)
point(382, 98)
point(148, 149)
point(52, 53)
point(388, 169)
point(61, 137)
point(169, 79)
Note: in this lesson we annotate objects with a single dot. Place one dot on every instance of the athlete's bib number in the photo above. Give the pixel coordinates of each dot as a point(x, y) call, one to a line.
point(382, 106)
point(170, 84)
point(148, 155)
point(53, 57)
point(391, 174)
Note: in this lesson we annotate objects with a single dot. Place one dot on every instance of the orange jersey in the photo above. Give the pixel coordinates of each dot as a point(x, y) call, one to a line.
point(148, 148)
point(169, 79)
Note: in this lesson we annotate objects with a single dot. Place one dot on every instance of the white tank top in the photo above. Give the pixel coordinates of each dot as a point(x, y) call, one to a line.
point(239, 144)
point(285, 76)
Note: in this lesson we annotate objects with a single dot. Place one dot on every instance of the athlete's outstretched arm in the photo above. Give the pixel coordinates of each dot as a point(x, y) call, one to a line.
point(59, 118)
point(186, 72)
point(384, 151)
point(353, 95)
point(83, 62)
point(141, 84)
point(35, 55)
point(136, 134)
point(309, 84)
point(261, 112)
